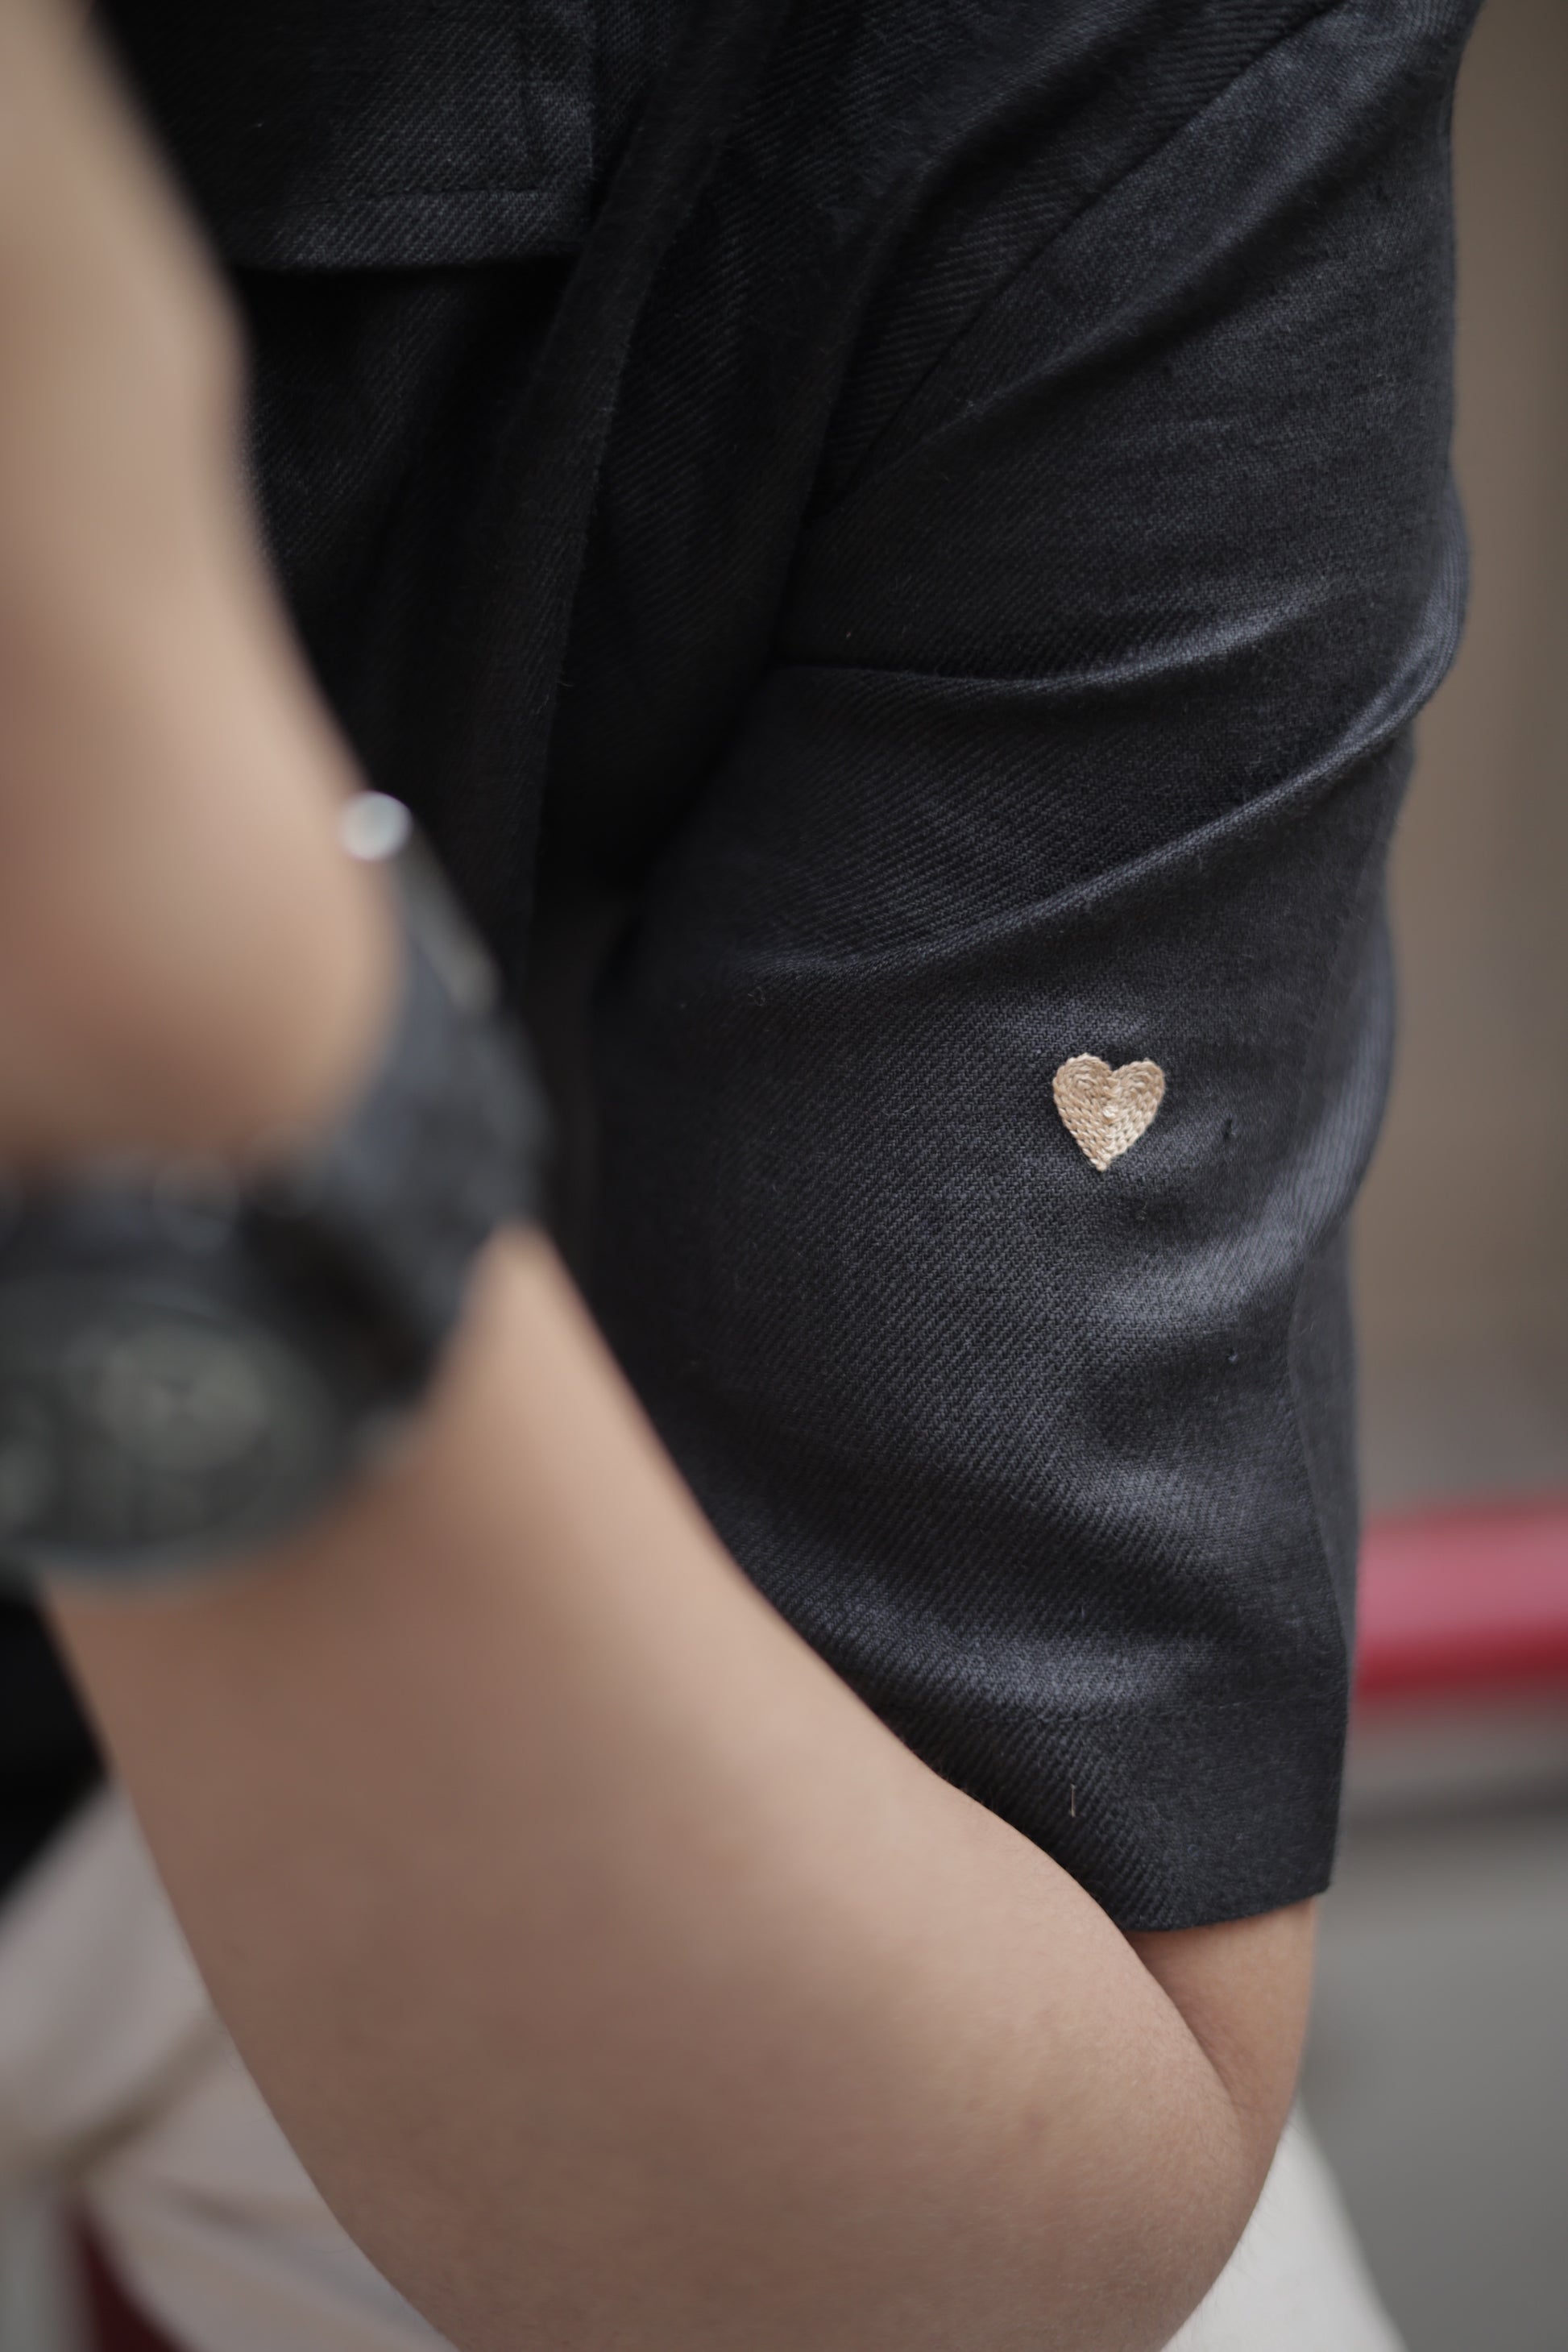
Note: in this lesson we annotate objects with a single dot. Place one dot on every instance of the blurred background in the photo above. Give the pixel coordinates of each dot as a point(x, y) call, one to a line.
point(1437, 2074)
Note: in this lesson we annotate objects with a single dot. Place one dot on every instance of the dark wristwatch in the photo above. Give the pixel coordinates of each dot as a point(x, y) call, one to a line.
point(191, 1367)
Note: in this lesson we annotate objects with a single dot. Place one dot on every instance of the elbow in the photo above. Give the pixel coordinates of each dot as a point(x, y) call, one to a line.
point(1122, 2260)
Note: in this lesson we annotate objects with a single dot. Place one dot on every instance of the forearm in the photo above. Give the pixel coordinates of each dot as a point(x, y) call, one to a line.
point(167, 776)
point(621, 1978)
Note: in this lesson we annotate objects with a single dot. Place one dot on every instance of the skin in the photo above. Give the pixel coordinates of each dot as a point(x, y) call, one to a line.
point(623, 1982)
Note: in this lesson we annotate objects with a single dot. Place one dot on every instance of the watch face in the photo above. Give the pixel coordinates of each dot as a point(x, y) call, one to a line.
point(140, 1428)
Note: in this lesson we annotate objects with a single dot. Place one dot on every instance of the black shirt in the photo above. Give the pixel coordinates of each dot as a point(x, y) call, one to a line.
point(893, 546)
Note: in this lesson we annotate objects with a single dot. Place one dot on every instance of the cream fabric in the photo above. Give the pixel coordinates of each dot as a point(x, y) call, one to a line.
point(1296, 2282)
point(118, 2083)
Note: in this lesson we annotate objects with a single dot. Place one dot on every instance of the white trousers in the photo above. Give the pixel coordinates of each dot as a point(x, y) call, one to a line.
point(118, 2085)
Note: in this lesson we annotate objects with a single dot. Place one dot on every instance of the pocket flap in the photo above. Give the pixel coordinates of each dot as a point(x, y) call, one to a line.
point(354, 134)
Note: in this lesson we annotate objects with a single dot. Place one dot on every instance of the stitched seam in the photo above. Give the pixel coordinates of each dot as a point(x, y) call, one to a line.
point(864, 463)
point(393, 196)
point(1216, 835)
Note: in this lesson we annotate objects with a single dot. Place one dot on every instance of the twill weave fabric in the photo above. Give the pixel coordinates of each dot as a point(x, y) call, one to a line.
point(1012, 538)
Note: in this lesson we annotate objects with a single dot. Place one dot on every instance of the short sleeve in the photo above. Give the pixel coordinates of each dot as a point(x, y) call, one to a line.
point(1084, 735)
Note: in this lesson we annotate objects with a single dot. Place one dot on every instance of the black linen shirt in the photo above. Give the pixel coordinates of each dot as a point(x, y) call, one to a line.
point(893, 545)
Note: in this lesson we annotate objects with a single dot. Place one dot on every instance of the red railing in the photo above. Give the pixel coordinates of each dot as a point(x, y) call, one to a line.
point(1467, 1598)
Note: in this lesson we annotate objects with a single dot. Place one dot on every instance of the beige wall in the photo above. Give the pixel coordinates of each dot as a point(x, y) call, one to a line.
point(1463, 1241)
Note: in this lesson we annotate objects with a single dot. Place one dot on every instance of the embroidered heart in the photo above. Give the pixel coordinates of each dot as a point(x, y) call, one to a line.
point(1104, 1111)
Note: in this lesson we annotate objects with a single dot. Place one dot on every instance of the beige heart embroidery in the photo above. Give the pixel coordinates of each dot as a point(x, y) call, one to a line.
point(1104, 1111)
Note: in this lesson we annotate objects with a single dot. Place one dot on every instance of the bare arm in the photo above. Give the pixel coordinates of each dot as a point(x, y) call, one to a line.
point(620, 1978)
